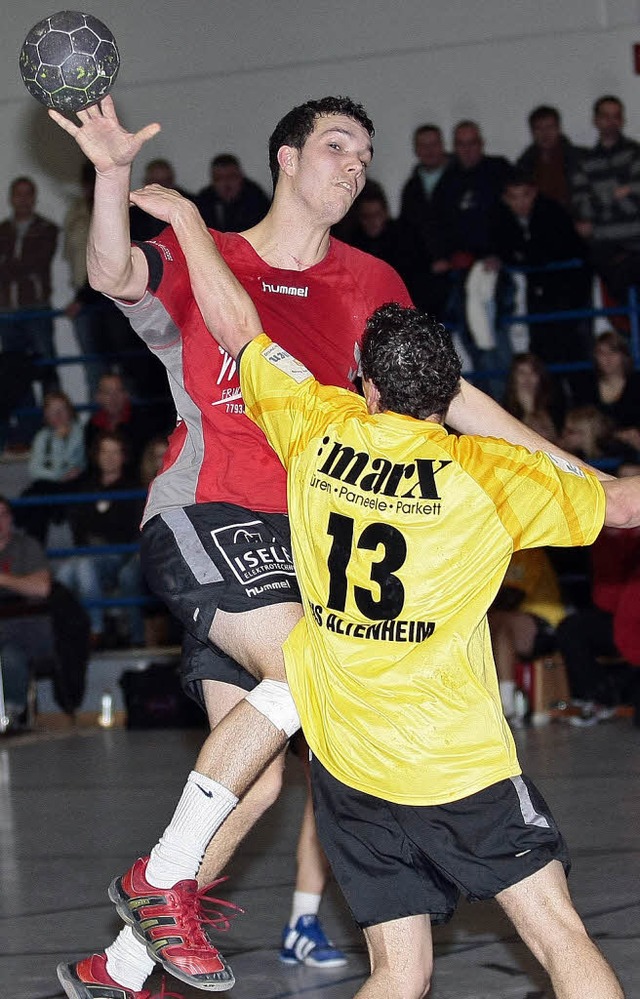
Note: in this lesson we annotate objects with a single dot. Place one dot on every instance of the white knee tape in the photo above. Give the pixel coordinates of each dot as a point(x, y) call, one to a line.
point(272, 698)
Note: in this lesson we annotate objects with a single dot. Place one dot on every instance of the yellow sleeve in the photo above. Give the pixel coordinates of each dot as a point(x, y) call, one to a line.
point(540, 498)
point(284, 399)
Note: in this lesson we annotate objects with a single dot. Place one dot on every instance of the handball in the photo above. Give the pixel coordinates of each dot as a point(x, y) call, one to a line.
point(69, 61)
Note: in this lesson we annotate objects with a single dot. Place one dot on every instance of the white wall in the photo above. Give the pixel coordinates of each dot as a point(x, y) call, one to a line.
point(218, 77)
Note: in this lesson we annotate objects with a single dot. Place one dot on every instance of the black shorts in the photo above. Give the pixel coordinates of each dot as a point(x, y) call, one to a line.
point(393, 861)
point(216, 555)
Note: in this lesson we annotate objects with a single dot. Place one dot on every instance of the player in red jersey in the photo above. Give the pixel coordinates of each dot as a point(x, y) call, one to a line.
point(215, 538)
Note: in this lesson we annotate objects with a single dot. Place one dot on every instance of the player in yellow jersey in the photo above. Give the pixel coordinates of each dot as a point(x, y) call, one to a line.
point(402, 534)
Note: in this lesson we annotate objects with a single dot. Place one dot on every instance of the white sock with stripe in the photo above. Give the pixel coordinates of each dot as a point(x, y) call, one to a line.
point(203, 807)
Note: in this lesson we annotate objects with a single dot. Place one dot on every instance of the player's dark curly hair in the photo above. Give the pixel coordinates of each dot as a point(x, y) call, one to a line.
point(411, 360)
point(296, 126)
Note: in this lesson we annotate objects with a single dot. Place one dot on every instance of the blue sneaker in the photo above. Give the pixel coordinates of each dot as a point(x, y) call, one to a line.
point(307, 943)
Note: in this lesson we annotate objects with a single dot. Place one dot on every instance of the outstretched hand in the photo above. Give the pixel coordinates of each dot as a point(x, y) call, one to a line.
point(163, 203)
point(102, 138)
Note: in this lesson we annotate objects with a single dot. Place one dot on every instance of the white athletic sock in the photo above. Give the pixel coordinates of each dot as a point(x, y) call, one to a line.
point(128, 962)
point(507, 692)
point(304, 903)
point(203, 807)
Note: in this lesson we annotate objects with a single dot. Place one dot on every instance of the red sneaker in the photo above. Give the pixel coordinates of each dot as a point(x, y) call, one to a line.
point(170, 921)
point(89, 979)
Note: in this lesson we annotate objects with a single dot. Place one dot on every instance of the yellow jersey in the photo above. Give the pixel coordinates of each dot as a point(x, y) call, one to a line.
point(402, 534)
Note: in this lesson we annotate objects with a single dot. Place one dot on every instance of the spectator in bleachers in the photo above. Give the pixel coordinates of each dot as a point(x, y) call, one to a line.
point(116, 412)
point(613, 387)
point(523, 618)
point(417, 211)
point(56, 459)
point(532, 395)
point(231, 202)
point(551, 159)
point(105, 521)
point(43, 628)
point(464, 203)
point(27, 247)
point(594, 639)
point(531, 230)
point(606, 199)
point(142, 225)
point(24, 576)
point(466, 198)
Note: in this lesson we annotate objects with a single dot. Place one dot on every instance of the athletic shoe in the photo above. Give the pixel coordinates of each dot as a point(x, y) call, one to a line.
point(590, 714)
point(89, 979)
point(170, 923)
point(307, 943)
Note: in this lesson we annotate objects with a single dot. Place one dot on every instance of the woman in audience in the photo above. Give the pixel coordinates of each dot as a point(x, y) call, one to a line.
point(106, 521)
point(614, 387)
point(56, 459)
point(532, 396)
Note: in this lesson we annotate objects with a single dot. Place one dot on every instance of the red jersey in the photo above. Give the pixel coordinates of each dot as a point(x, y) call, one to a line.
point(216, 454)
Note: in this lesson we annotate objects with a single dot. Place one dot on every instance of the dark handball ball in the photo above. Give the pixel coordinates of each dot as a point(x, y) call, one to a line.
point(69, 61)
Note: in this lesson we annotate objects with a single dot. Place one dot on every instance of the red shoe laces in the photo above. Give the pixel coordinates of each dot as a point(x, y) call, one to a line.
point(210, 914)
point(200, 909)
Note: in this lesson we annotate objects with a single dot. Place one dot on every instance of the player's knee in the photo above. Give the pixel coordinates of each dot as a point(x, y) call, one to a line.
point(272, 698)
point(410, 983)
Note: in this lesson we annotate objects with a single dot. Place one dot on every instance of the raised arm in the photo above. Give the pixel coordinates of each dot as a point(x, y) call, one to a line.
point(113, 265)
point(226, 308)
point(473, 412)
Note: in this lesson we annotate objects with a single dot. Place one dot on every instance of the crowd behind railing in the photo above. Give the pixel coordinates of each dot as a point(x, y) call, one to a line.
point(533, 266)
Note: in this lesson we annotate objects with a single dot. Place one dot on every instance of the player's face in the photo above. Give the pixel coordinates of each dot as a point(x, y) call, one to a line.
point(330, 170)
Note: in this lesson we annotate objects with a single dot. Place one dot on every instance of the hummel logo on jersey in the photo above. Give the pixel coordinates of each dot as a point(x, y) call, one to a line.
point(415, 480)
point(285, 289)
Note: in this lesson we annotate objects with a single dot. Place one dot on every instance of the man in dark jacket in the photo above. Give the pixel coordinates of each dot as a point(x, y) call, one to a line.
point(231, 202)
point(532, 230)
point(551, 159)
